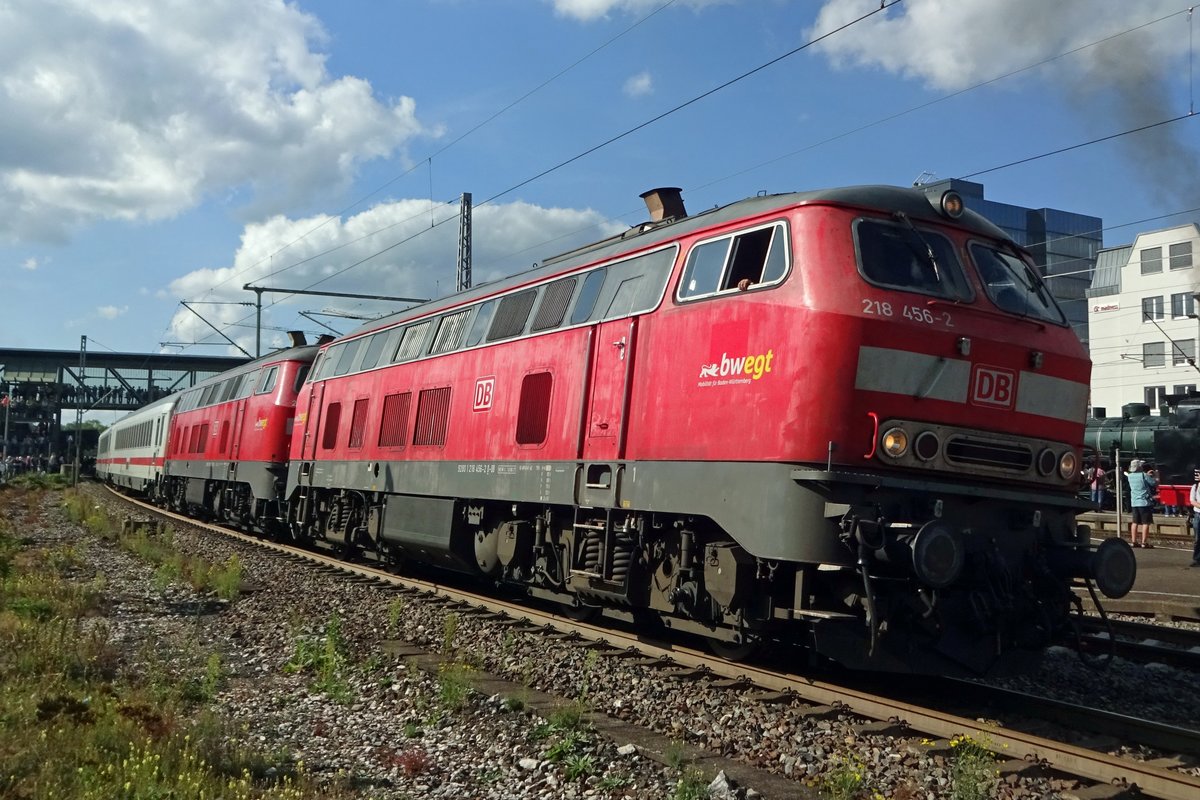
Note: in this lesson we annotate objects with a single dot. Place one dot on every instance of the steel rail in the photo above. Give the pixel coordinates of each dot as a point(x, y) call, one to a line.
point(1182, 637)
point(1152, 781)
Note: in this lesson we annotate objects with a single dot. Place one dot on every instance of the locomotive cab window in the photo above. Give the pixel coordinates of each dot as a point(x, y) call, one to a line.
point(268, 380)
point(301, 376)
point(898, 256)
point(754, 258)
point(1013, 285)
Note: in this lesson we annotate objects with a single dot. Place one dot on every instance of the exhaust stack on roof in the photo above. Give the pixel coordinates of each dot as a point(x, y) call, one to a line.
point(664, 203)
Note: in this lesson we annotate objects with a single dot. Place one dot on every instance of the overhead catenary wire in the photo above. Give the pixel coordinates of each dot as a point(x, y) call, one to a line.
point(877, 122)
point(1088, 143)
point(741, 77)
point(883, 6)
point(429, 159)
point(937, 100)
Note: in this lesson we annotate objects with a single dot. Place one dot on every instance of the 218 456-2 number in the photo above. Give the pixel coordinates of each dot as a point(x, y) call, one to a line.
point(882, 308)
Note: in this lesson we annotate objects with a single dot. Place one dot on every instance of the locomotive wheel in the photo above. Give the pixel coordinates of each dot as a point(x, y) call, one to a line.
point(733, 651)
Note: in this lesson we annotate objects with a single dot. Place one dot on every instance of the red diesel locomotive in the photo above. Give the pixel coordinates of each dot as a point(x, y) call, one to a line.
point(226, 442)
point(847, 419)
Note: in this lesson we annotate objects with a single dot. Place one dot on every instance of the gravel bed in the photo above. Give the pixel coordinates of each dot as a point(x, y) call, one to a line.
point(485, 751)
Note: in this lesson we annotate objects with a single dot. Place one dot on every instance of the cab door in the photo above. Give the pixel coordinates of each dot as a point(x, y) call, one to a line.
point(312, 421)
point(608, 393)
point(239, 414)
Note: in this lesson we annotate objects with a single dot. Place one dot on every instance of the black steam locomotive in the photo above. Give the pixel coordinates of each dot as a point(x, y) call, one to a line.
point(1170, 442)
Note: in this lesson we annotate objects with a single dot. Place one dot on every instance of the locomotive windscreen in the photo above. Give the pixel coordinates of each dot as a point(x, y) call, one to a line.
point(897, 257)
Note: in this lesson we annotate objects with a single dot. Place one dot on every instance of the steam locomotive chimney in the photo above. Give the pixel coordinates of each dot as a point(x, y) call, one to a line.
point(664, 203)
point(297, 338)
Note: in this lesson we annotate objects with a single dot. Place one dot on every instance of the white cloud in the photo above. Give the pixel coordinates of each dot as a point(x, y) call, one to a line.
point(30, 264)
point(952, 44)
point(507, 238)
point(639, 85)
point(111, 312)
point(1120, 83)
point(137, 110)
point(588, 10)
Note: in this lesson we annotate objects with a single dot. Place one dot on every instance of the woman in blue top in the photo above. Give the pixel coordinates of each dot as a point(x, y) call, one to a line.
point(1142, 487)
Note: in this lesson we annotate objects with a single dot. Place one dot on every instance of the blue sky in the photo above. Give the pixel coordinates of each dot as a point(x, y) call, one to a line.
point(158, 151)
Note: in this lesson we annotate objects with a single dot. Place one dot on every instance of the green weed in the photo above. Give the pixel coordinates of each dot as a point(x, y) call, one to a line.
point(691, 785)
point(454, 684)
point(846, 779)
point(973, 773)
point(323, 657)
point(579, 765)
point(449, 631)
point(395, 610)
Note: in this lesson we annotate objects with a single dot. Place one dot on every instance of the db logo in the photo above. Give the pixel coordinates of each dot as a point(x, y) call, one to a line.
point(991, 386)
point(485, 388)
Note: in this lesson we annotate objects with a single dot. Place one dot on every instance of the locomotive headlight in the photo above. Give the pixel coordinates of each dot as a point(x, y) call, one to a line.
point(895, 442)
point(952, 204)
point(1067, 466)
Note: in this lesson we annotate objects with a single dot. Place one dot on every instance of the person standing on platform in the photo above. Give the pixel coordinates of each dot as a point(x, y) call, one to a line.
point(1098, 478)
point(1195, 501)
point(1142, 488)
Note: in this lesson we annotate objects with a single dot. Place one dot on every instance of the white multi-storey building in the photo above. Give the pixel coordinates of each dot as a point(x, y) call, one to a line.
point(1142, 315)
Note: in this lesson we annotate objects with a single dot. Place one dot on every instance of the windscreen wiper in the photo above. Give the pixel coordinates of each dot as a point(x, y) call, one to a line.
point(927, 251)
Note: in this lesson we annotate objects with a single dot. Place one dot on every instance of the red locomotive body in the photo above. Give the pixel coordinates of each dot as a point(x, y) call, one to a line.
point(848, 418)
point(230, 436)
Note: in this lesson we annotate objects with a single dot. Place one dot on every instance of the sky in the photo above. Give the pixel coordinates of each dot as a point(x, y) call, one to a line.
point(155, 152)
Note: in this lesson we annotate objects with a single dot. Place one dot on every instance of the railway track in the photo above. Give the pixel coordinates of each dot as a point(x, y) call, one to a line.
point(1023, 744)
point(1142, 642)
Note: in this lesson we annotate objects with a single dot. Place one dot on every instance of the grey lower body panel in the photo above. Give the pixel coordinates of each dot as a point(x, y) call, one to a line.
point(260, 476)
point(757, 504)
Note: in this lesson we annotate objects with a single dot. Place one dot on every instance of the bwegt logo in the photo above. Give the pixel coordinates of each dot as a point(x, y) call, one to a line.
point(755, 366)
